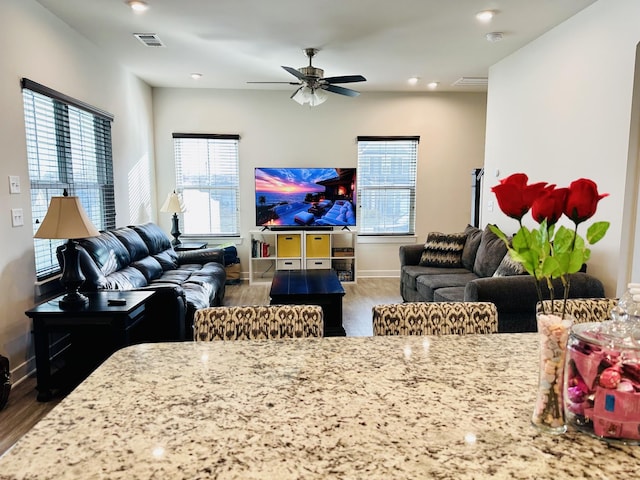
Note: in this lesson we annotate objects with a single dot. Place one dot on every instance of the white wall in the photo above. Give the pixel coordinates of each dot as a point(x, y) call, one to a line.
point(38, 46)
point(276, 131)
point(560, 109)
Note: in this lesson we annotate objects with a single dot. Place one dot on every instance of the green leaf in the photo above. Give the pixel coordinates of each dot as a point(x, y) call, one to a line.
point(596, 231)
point(563, 240)
point(576, 259)
point(521, 239)
point(549, 267)
point(499, 233)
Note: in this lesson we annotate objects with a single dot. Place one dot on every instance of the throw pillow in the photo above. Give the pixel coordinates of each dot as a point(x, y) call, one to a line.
point(490, 253)
point(474, 235)
point(443, 250)
point(508, 267)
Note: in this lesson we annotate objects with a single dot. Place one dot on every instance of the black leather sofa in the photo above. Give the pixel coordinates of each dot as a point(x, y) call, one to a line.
point(141, 257)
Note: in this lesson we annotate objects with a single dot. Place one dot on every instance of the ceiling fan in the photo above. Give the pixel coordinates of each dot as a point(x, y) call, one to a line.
point(312, 84)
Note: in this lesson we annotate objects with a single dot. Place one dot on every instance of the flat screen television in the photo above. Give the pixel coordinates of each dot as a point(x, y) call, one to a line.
point(305, 197)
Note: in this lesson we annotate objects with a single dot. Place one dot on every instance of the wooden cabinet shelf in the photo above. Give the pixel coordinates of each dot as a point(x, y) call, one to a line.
point(302, 249)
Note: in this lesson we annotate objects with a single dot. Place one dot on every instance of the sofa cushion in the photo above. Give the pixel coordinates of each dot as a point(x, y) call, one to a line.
point(443, 250)
point(154, 237)
point(132, 241)
point(168, 259)
point(490, 253)
point(150, 268)
point(428, 284)
point(471, 244)
point(410, 273)
point(127, 278)
point(109, 254)
point(508, 266)
point(449, 294)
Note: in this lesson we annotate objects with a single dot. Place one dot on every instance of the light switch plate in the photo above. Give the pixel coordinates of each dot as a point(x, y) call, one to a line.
point(14, 184)
point(17, 219)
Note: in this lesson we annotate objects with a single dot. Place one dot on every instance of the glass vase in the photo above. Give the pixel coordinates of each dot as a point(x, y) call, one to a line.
point(553, 333)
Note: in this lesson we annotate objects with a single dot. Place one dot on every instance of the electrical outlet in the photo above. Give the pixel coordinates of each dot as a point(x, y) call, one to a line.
point(14, 184)
point(490, 206)
point(17, 220)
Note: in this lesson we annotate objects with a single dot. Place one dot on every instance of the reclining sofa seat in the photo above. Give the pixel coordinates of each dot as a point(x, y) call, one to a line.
point(141, 257)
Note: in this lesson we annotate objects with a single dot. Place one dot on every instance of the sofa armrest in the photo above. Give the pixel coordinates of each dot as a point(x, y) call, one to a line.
point(410, 254)
point(518, 292)
point(202, 256)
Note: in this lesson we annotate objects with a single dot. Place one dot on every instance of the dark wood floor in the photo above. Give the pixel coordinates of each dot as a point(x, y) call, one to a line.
point(23, 411)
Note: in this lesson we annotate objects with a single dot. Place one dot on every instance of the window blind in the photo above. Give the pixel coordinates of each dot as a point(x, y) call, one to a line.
point(387, 184)
point(207, 176)
point(68, 147)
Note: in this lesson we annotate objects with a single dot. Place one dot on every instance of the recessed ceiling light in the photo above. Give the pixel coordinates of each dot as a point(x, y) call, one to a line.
point(413, 80)
point(196, 76)
point(433, 85)
point(485, 15)
point(137, 5)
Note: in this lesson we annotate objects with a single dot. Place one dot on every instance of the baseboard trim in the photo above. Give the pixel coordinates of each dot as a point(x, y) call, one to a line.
point(27, 368)
point(378, 274)
point(23, 371)
point(244, 276)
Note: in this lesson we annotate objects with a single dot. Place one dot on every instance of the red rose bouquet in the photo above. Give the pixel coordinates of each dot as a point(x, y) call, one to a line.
point(549, 252)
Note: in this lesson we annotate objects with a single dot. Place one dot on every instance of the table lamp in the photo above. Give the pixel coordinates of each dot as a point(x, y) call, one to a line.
point(66, 218)
point(174, 205)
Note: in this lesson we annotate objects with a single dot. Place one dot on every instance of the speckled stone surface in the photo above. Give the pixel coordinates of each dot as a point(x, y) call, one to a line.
point(375, 407)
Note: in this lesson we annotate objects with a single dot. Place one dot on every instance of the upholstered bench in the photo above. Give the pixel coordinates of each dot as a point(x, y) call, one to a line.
point(583, 309)
point(435, 318)
point(257, 322)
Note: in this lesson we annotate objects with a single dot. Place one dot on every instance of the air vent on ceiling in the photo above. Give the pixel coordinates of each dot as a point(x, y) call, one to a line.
point(149, 39)
point(471, 82)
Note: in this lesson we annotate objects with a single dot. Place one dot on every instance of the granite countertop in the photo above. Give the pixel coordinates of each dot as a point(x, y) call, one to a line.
point(370, 407)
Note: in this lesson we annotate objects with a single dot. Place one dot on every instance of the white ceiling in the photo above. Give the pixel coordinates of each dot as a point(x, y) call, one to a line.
point(234, 41)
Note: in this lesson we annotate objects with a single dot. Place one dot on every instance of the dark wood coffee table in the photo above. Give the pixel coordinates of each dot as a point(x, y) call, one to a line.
point(311, 287)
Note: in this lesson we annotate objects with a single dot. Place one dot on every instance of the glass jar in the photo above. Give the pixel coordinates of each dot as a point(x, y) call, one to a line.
point(602, 377)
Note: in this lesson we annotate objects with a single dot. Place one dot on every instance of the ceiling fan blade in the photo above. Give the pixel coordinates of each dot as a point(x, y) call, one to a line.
point(345, 79)
point(295, 72)
point(341, 90)
point(288, 83)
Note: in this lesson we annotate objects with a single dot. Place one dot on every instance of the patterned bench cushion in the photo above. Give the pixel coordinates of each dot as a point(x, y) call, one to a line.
point(441, 318)
point(257, 322)
point(583, 309)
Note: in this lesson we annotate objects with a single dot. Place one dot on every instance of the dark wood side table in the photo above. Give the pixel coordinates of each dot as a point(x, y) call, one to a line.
point(184, 247)
point(95, 331)
point(311, 287)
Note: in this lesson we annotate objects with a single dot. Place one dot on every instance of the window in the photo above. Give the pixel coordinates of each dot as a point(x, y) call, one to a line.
point(68, 147)
point(207, 175)
point(387, 185)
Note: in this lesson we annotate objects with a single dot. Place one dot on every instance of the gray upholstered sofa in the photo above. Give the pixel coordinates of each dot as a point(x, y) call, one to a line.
point(473, 266)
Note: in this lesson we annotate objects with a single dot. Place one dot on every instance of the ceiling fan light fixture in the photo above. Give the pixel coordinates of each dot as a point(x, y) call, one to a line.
point(318, 96)
point(413, 80)
point(494, 37)
point(313, 97)
point(300, 96)
point(433, 85)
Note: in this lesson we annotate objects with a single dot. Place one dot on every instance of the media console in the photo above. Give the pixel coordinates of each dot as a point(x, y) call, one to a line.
point(299, 249)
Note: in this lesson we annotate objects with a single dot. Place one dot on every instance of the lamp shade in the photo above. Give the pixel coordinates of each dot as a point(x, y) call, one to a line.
point(66, 218)
point(173, 204)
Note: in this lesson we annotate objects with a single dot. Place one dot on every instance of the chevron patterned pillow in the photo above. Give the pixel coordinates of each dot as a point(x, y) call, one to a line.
point(443, 250)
